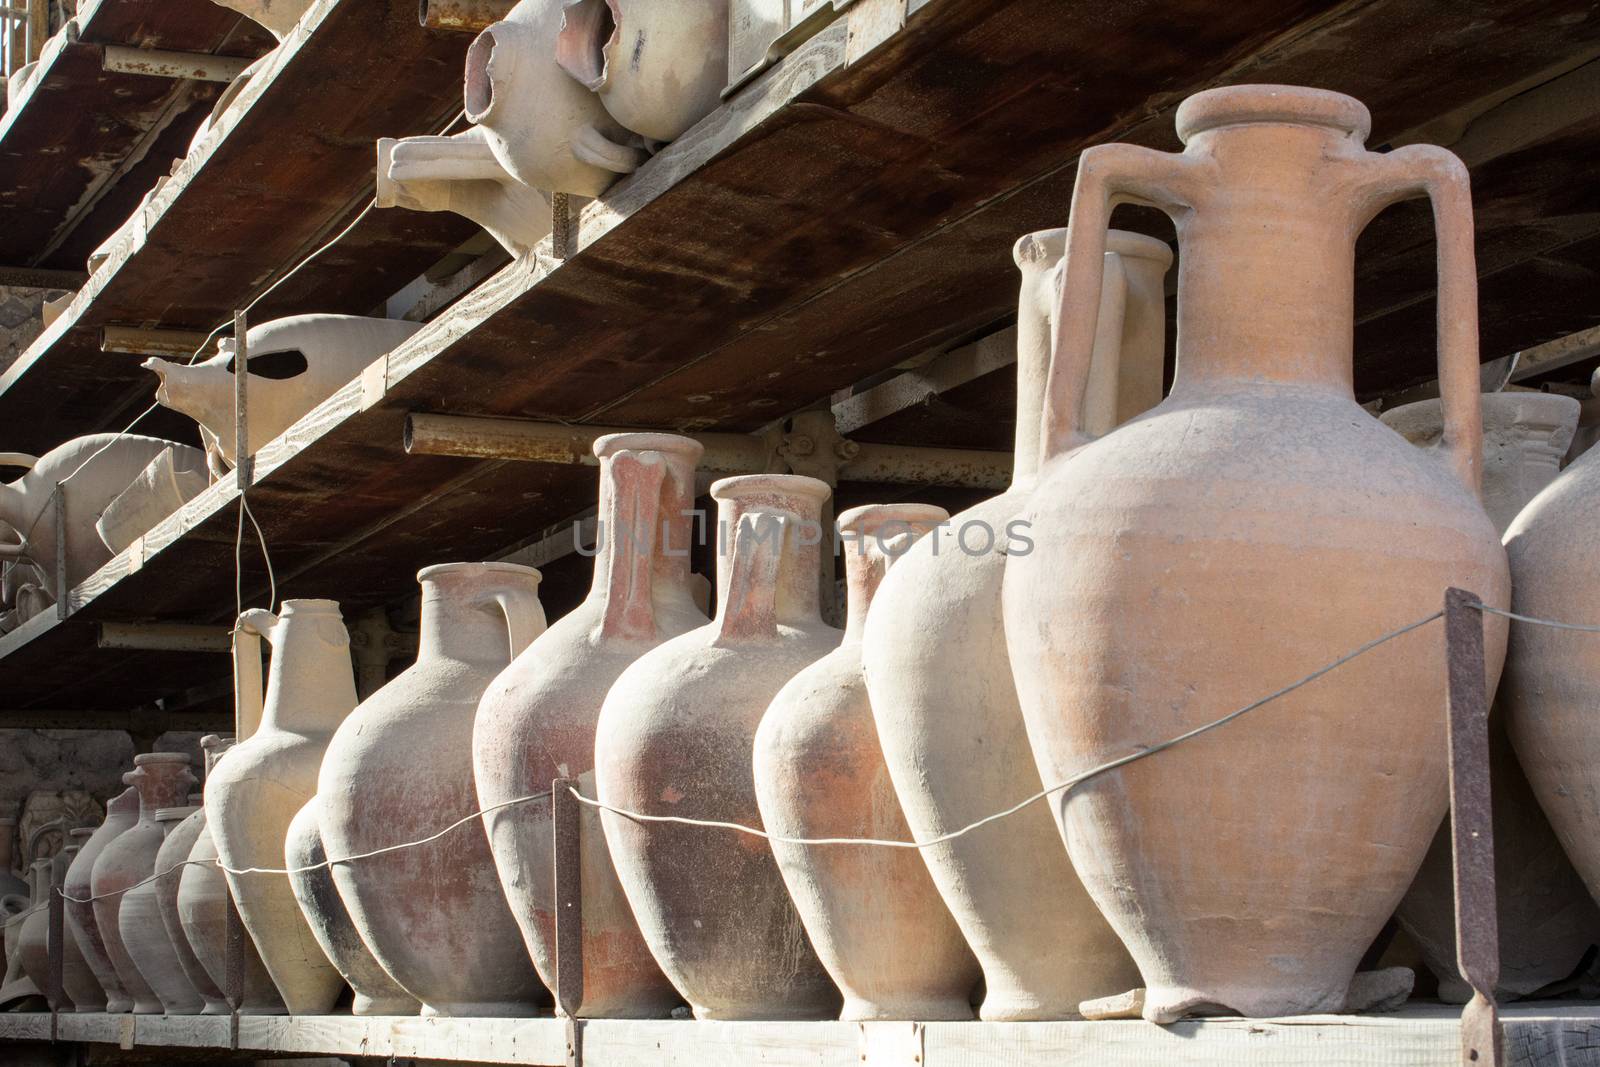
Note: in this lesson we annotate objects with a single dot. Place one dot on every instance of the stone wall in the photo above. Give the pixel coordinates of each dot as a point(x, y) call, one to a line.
point(20, 321)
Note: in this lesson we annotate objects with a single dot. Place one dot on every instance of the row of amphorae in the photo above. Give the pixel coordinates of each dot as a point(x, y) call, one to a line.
point(1156, 564)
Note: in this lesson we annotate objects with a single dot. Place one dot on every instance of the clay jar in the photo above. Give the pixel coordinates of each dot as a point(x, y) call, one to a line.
point(1547, 919)
point(872, 913)
point(1254, 527)
point(1552, 680)
point(548, 131)
point(9, 882)
point(144, 934)
point(122, 811)
point(171, 863)
point(674, 738)
point(163, 780)
point(25, 940)
point(33, 952)
point(375, 992)
point(536, 723)
point(400, 770)
point(658, 67)
point(934, 654)
point(81, 986)
point(267, 778)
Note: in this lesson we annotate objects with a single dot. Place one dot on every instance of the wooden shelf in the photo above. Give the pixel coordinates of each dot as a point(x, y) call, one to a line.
point(850, 209)
point(85, 144)
point(1420, 1035)
point(289, 166)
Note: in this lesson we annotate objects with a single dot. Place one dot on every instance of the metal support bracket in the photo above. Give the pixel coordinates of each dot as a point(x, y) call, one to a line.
point(58, 503)
point(55, 939)
point(1472, 829)
point(241, 396)
point(159, 63)
point(565, 812)
point(234, 965)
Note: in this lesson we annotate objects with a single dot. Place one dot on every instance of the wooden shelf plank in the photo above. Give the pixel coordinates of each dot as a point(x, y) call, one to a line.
point(84, 144)
point(288, 167)
point(1419, 1035)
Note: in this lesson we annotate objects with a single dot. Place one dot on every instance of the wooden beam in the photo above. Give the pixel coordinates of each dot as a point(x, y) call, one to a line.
point(42, 278)
point(955, 368)
point(164, 637)
point(136, 341)
point(1554, 355)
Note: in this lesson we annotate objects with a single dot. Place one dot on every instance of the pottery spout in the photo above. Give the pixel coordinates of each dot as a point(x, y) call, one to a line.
point(461, 174)
point(278, 16)
point(202, 391)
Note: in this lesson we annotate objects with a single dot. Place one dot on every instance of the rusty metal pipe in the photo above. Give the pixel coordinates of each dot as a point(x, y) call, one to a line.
point(465, 16)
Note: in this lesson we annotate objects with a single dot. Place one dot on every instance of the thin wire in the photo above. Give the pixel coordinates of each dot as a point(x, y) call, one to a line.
point(1121, 761)
point(1537, 622)
point(272, 579)
point(315, 866)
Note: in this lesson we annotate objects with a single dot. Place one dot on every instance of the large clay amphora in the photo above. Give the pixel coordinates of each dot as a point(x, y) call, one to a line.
point(163, 780)
point(144, 934)
point(82, 987)
point(400, 770)
point(1552, 684)
point(203, 902)
point(312, 879)
point(934, 651)
point(1252, 528)
point(537, 721)
point(675, 737)
point(1547, 920)
point(873, 913)
point(122, 811)
point(267, 778)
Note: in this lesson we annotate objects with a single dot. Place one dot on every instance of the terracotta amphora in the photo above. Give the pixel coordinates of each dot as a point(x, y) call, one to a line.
point(33, 954)
point(122, 811)
point(934, 653)
point(1253, 527)
point(92, 471)
point(171, 863)
point(1552, 681)
point(461, 173)
point(295, 363)
point(536, 723)
point(267, 778)
point(658, 67)
point(312, 879)
point(277, 16)
point(400, 770)
point(163, 780)
point(1547, 919)
point(145, 936)
point(203, 902)
point(25, 942)
point(176, 476)
point(82, 987)
point(872, 913)
point(548, 131)
point(675, 737)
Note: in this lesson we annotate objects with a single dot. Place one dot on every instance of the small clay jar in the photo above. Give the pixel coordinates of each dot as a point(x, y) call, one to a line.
point(33, 949)
point(122, 811)
point(171, 861)
point(144, 933)
point(305, 858)
point(163, 780)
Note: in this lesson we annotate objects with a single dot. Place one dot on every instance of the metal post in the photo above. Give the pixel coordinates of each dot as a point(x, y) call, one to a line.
point(58, 952)
point(1472, 828)
point(561, 225)
point(565, 813)
point(241, 424)
point(234, 964)
point(58, 502)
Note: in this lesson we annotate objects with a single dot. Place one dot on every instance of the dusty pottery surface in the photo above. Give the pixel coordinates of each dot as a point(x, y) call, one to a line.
point(400, 770)
point(1547, 919)
point(266, 779)
point(375, 992)
point(658, 67)
point(547, 131)
point(1551, 683)
point(145, 936)
point(93, 471)
point(79, 982)
point(122, 811)
point(460, 173)
point(171, 862)
point(175, 477)
point(33, 949)
point(1260, 507)
point(674, 738)
point(873, 914)
point(17, 989)
point(934, 654)
point(277, 16)
point(295, 363)
point(537, 721)
point(147, 964)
